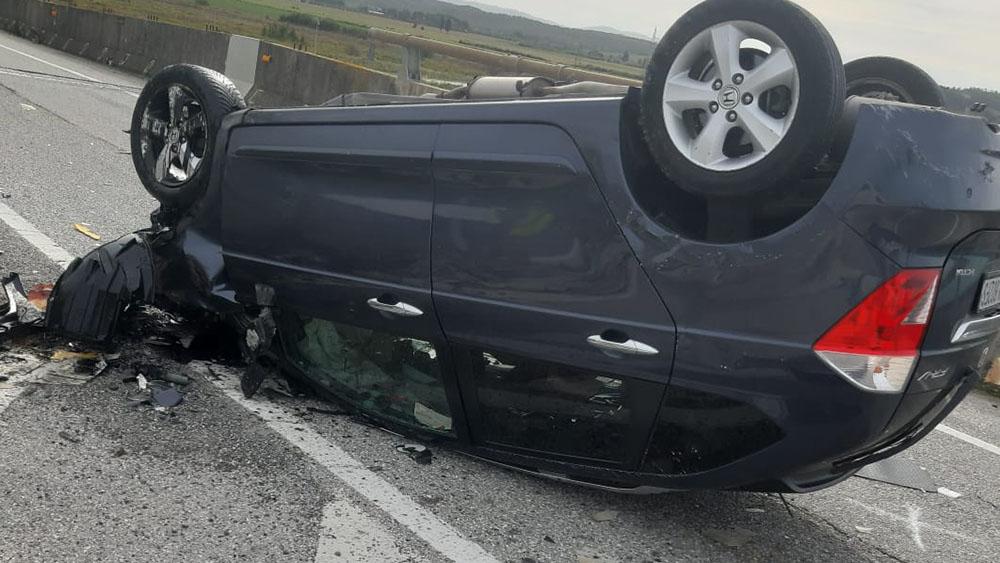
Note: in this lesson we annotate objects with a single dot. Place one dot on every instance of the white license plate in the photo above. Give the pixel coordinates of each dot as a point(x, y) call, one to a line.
point(989, 296)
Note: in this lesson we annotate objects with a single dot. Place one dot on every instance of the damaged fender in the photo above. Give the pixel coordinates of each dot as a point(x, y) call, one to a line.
point(93, 292)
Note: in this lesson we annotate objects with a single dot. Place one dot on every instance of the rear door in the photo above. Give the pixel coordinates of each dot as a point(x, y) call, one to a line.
point(337, 219)
point(563, 349)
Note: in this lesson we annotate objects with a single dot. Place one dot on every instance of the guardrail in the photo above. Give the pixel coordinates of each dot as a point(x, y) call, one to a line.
point(268, 74)
point(519, 66)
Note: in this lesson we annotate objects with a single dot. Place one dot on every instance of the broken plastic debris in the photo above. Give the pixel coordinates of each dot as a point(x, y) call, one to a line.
point(864, 530)
point(167, 397)
point(85, 230)
point(948, 492)
point(419, 454)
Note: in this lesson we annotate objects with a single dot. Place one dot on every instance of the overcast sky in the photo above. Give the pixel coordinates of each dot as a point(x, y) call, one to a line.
point(954, 40)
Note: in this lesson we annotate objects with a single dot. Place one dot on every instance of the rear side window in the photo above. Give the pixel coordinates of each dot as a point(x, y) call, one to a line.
point(382, 374)
point(549, 407)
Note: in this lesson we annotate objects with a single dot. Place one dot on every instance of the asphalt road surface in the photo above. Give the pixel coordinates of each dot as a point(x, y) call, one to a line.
point(86, 477)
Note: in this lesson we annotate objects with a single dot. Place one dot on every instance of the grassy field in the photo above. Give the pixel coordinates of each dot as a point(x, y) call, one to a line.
point(255, 17)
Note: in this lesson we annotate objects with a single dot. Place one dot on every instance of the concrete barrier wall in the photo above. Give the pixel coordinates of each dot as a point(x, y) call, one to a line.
point(267, 74)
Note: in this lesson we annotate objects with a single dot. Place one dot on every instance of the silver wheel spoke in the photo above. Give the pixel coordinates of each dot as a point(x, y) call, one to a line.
point(765, 131)
point(163, 163)
point(706, 148)
point(175, 99)
point(726, 39)
point(192, 166)
point(778, 69)
point(682, 93)
point(157, 127)
point(189, 126)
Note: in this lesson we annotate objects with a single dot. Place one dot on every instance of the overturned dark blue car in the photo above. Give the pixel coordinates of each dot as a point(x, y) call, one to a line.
point(759, 271)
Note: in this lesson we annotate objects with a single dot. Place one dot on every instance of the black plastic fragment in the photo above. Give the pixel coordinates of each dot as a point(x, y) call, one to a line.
point(92, 293)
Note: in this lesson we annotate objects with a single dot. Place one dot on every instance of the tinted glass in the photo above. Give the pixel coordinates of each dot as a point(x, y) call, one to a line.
point(551, 408)
point(383, 374)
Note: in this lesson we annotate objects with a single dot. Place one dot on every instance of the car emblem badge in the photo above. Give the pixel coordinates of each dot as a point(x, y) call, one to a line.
point(729, 97)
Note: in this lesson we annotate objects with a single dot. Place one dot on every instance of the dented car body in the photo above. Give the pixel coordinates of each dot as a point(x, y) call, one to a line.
point(516, 279)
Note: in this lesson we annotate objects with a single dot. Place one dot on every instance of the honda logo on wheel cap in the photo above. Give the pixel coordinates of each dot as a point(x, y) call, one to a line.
point(729, 97)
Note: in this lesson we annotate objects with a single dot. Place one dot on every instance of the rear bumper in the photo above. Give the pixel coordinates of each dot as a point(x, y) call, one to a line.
point(931, 408)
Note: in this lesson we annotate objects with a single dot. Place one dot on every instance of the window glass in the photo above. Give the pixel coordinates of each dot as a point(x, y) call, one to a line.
point(383, 374)
point(551, 408)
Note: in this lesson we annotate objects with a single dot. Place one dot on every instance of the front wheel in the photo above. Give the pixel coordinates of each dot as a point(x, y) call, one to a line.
point(742, 97)
point(887, 78)
point(174, 126)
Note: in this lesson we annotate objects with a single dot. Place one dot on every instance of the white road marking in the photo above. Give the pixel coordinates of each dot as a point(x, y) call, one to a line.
point(23, 374)
point(913, 522)
point(401, 508)
point(35, 238)
point(60, 67)
point(968, 439)
point(348, 534)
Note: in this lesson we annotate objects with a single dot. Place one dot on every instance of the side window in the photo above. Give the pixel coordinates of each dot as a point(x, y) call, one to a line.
point(550, 407)
point(383, 374)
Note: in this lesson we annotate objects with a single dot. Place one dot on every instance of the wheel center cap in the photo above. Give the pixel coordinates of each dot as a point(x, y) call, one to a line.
point(729, 97)
point(174, 135)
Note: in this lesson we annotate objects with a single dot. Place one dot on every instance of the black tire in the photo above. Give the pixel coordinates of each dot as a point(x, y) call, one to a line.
point(808, 138)
point(892, 79)
point(213, 95)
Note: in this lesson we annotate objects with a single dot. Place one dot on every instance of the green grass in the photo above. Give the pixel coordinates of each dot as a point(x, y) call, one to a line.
point(251, 17)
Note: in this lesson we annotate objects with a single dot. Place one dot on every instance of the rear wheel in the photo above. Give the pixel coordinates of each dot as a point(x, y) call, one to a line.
point(886, 78)
point(741, 97)
point(174, 126)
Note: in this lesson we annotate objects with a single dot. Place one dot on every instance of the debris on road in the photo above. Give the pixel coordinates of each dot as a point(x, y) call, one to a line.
point(864, 530)
point(168, 397)
point(22, 308)
point(69, 437)
point(420, 454)
point(84, 229)
point(948, 492)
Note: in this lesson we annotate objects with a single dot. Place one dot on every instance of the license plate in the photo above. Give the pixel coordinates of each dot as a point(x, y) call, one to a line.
point(989, 295)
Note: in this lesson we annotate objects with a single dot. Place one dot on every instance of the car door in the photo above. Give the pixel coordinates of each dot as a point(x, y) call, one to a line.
point(336, 218)
point(562, 347)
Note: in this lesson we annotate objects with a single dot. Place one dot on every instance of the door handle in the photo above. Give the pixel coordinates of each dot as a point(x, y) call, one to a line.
point(399, 308)
point(629, 347)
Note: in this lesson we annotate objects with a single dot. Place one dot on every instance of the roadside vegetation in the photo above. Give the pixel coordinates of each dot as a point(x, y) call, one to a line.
point(339, 33)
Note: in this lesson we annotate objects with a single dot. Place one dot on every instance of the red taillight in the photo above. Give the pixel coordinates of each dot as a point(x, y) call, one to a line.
point(877, 344)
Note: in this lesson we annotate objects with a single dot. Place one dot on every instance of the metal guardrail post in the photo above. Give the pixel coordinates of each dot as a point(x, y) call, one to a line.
point(411, 64)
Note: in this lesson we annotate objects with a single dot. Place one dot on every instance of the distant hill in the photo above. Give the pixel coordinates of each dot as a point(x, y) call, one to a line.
point(960, 100)
point(523, 30)
point(499, 10)
point(613, 31)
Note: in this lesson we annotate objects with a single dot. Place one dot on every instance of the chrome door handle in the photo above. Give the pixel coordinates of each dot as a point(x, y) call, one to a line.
point(399, 309)
point(629, 347)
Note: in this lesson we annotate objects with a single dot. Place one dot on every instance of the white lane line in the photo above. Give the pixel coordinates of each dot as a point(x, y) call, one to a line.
point(349, 534)
point(438, 534)
point(36, 238)
point(968, 439)
point(60, 67)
